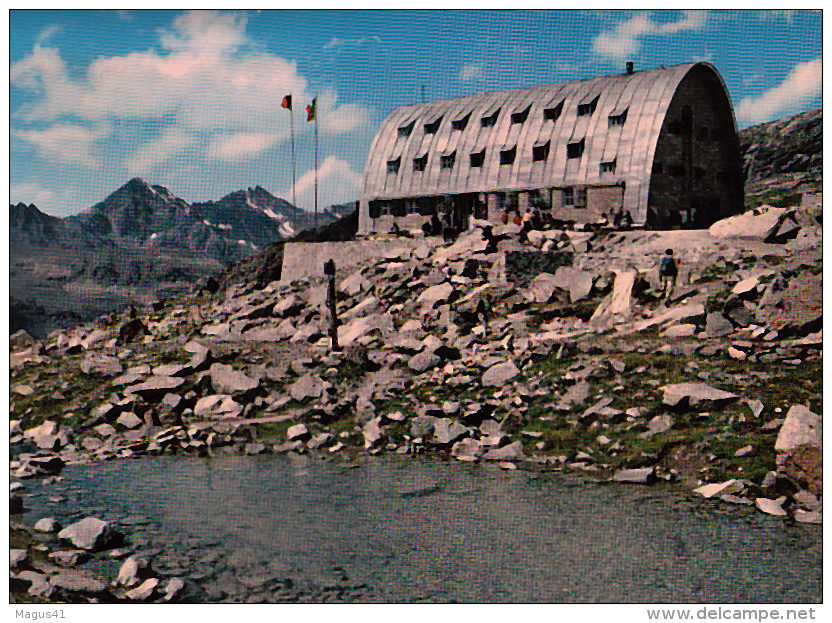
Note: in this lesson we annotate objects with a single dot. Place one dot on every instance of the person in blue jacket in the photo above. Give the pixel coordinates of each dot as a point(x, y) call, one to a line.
point(667, 274)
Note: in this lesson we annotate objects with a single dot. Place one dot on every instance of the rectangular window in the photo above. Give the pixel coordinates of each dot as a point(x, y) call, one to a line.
point(431, 128)
point(540, 152)
point(618, 119)
point(447, 161)
point(575, 150)
point(657, 168)
point(507, 155)
point(588, 108)
point(580, 198)
point(405, 130)
point(460, 124)
point(552, 114)
point(477, 159)
point(420, 163)
point(608, 167)
point(520, 117)
point(568, 196)
point(393, 166)
point(676, 170)
point(490, 120)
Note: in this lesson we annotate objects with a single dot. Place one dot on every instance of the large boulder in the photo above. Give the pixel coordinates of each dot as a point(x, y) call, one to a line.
point(576, 281)
point(499, 374)
point(801, 427)
point(759, 223)
point(91, 534)
point(696, 396)
point(511, 452)
point(447, 431)
point(618, 302)
point(226, 379)
point(436, 295)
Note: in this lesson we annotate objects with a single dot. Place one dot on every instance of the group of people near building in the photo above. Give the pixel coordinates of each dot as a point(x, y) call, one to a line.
point(621, 219)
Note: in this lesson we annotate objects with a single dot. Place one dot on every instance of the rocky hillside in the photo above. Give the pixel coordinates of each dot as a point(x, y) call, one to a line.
point(782, 158)
point(447, 350)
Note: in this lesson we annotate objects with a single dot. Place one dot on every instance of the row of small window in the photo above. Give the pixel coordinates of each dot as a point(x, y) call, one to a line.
point(549, 114)
point(507, 157)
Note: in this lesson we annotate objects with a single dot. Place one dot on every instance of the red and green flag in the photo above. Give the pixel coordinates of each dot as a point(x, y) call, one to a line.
point(287, 102)
point(311, 110)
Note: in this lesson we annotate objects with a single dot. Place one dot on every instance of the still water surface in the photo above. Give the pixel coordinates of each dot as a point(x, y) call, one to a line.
point(429, 530)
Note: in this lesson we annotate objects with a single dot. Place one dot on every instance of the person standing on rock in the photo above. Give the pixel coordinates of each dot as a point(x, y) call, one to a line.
point(667, 274)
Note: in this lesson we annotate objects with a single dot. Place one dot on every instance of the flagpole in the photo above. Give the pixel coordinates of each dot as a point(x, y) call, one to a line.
point(292, 126)
point(316, 162)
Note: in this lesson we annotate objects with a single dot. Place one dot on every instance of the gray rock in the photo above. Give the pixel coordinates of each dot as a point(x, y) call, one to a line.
point(759, 223)
point(217, 405)
point(696, 396)
point(129, 420)
point(255, 447)
point(802, 427)
point(70, 557)
point(421, 362)
point(576, 281)
point(447, 431)
point(296, 432)
point(437, 295)
point(771, 507)
point(155, 387)
point(372, 432)
point(499, 374)
point(813, 517)
point(17, 557)
point(143, 591)
point(728, 487)
point(102, 365)
point(511, 452)
point(467, 449)
point(225, 379)
point(642, 475)
point(132, 570)
point(174, 588)
point(542, 288)
point(78, 582)
point(47, 524)
point(306, 387)
point(716, 325)
point(658, 424)
point(91, 534)
point(422, 425)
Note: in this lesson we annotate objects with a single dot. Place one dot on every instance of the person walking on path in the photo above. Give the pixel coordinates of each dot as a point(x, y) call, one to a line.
point(667, 274)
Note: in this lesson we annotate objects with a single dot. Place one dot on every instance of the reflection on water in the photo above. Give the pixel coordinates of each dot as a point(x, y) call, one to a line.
point(429, 530)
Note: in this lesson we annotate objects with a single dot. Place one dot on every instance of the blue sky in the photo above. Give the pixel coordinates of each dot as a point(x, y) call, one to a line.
point(191, 100)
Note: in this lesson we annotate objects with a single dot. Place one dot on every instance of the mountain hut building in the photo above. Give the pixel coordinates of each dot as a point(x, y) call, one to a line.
point(660, 143)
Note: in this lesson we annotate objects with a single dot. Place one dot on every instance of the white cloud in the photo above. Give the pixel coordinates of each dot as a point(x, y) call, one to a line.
point(799, 89)
point(66, 143)
point(336, 180)
point(471, 72)
point(242, 145)
point(208, 90)
point(171, 144)
point(625, 40)
point(338, 42)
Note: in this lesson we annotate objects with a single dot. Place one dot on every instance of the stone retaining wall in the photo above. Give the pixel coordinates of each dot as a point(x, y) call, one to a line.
point(523, 266)
point(305, 259)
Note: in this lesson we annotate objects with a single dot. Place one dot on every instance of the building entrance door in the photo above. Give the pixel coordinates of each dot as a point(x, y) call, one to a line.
point(463, 207)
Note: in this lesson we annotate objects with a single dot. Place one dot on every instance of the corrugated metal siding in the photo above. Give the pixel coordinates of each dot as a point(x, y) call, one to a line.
point(645, 95)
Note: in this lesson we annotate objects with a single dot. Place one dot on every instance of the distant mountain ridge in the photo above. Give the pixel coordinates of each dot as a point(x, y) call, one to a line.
point(150, 216)
point(139, 244)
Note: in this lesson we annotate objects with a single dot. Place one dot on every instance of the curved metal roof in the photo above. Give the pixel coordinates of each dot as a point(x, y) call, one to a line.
point(522, 123)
